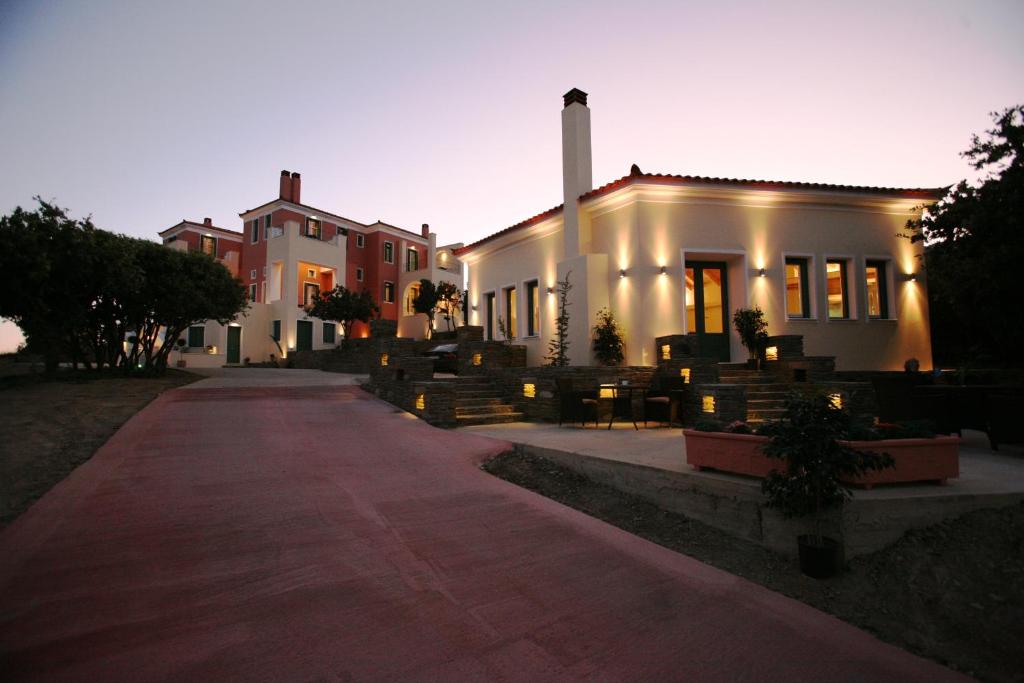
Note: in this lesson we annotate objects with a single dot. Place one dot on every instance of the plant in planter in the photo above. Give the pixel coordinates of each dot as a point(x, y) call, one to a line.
point(607, 339)
point(181, 351)
point(753, 330)
point(808, 439)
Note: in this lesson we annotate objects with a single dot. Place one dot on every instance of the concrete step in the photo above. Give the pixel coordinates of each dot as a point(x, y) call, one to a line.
point(481, 393)
point(488, 419)
point(500, 409)
point(474, 402)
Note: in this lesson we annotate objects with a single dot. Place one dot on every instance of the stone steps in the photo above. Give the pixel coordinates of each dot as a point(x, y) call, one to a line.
point(474, 402)
point(488, 419)
point(477, 402)
point(469, 411)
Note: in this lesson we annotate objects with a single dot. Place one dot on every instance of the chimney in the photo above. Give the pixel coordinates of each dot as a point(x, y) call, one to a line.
point(286, 186)
point(425, 230)
point(208, 222)
point(577, 174)
point(296, 188)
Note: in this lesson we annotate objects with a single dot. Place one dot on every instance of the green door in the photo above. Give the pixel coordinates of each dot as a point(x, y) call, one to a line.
point(304, 335)
point(234, 344)
point(707, 307)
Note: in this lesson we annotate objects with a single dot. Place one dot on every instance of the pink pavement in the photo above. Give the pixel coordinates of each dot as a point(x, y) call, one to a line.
point(279, 534)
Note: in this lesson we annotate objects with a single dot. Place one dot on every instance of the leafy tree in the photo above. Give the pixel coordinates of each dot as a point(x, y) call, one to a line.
point(558, 347)
point(607, 342)
point(449, 301)
point(752, 328)
point(342, 305)
point(974, 246)
point(426, 302)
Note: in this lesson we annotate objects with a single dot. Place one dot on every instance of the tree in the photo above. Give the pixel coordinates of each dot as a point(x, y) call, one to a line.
point(342, 305)
point(558, 347)
point(607, 339)
point(426, 303)
point(974, 245)
point(752, 328)
point(449, 301)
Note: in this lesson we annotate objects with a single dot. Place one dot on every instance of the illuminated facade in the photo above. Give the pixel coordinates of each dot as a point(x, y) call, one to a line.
point(675, 254)
point(286, 254)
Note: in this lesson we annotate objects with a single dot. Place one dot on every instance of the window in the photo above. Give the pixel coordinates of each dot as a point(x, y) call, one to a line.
point(264, 271)
point(412, 259)
point(510, 313)
point(410, 297)
point(313, 228)
point(490, 316)
point(208, 245)
point(389, 252)
point(197, 336)
point(252, 292)
point(254, 231)
point(310, 293)
point(798, 295)
point(275, 330)
point(389, 292)
point(360, 240)
point(329, 330)
point(359, 274)
point(838, 291)
point(532, 309)
point(266, 224)
point(252, 274)
point(878, 289)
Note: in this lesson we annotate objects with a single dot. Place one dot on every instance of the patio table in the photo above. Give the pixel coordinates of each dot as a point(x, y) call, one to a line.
point(622, 402)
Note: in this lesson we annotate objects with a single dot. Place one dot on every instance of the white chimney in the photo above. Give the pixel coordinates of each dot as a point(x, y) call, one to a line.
point(577, 174)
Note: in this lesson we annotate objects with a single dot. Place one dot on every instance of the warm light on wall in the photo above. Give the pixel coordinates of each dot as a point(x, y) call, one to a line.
point(421, 402)
point(666, 352)
point(622, 272)
point(477, 359)
point(836, 399)
point(383, 359)
point(707, 403)
point(771, 353)
point(529, 390)
point(685, 374)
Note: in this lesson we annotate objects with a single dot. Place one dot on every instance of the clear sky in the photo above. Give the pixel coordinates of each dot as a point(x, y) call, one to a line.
point(143, 113)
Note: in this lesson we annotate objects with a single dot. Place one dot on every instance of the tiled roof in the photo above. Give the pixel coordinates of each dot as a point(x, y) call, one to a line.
point(202, 226)
point(668, 179)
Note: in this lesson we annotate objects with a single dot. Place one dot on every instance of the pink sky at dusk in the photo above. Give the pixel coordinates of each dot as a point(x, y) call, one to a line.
point(144, 113)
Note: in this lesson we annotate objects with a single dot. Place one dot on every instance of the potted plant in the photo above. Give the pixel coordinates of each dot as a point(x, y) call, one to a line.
point(181, 351)
point(809, 440)
point(607, 339)
point(753, 330)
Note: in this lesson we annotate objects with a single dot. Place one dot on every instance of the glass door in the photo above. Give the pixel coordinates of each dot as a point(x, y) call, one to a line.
point(707, 307)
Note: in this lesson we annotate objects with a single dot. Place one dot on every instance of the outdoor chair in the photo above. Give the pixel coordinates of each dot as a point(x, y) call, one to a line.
point(575, 405)
point(665, 400)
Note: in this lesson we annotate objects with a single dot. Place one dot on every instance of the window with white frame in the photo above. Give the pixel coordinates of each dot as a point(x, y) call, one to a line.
point(360, 240)
point(252, 274)
point(252, 292)
point(412, 259)
point(389, 292)
point(798, 287)
point(254, 231)
point(877, 284)
point(359, 274)
point(837, 286)
point(389, 252)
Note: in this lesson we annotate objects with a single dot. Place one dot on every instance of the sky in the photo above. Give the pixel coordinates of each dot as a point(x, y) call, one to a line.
point(143, 113)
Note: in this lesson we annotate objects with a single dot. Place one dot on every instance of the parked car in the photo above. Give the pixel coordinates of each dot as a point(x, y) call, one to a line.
point(445, 358)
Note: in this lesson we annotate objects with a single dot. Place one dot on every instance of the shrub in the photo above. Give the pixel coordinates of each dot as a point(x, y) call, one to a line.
point(752, 329)
point(607, 339)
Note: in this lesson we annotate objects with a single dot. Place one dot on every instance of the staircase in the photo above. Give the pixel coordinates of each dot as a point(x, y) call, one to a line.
point(478, 402)
point(766, 398)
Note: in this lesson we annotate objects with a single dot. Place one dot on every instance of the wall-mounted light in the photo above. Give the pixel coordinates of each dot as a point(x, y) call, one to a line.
point(551, 290)
point(666, 352)
point(383, 360)
point(771, 353)
point(421, 402)
point(477, 359)
point(622, 272)
point(474, 307)
point(606, 392)
point(529, 390)
point(663, 270)
point(707, 403)
point(836, 400)
point(912, 277)
point(685, 374)
point(762, 273)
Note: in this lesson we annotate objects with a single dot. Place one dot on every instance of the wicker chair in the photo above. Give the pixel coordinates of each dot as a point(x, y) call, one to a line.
point(574, 405)
point(663, 399)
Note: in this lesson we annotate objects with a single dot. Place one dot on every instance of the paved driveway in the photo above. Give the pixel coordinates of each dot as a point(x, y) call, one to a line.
point(314, 533)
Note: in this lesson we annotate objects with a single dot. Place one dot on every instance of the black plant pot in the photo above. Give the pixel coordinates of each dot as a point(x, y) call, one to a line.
point(820, 561)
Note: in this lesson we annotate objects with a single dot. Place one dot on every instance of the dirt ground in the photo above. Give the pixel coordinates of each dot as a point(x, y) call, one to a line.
point(953, 592)
point(48, 428)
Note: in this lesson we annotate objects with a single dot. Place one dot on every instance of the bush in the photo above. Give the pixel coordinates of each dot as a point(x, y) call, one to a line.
point(752, 328)
point(608, 343)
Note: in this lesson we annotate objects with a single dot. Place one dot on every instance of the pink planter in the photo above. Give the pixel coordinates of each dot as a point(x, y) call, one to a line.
point(935, 459)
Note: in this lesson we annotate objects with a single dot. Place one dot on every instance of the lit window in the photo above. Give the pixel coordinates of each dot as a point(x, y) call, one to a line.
point(208, 245)
point(838, 292)
point(389, 292)
point(878, 294)
point(532, 309)
point(410, 298)
point(313, 228)
point(510, 313)
point(798, 296)
point(707, 403)
point(412, 259)
point(529, 390)
point(389, 252)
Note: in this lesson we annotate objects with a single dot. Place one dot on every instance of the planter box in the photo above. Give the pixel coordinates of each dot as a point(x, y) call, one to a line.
point(935, 459)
